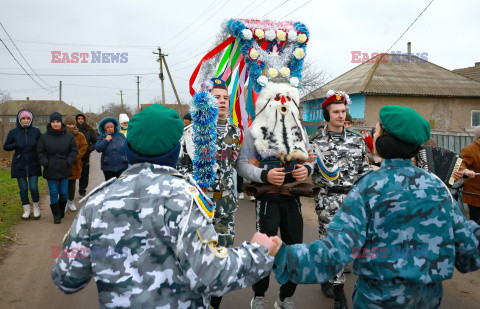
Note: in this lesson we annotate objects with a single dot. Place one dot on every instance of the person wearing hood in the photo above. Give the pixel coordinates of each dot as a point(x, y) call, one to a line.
point(111, 144)
point(157, 225)
point(399, 224)
point(77, 166)
point(91, 137)
point(25, 167)
point(123, 119)
point(57, 151)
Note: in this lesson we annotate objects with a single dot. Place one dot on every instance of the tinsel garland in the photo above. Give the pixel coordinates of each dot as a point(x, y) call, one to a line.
point(204, 117)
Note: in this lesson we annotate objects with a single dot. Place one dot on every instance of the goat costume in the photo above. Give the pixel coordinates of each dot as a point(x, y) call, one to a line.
point(265, 59)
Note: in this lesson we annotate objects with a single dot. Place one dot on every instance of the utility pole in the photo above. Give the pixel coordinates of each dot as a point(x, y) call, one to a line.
point(60, 92)
point(160, 57)
point(162, 60)
point(138, 93)
point(121, 100)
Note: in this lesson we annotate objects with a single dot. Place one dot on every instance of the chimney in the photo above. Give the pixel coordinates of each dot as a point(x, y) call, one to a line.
point(477, 64)
point(28, 98)
point(409, 48)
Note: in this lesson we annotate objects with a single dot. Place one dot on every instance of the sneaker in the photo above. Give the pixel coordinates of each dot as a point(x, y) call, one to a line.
point(241, 196)
point(287, 303)
point(71, 206)
point(258, 303)
point(252, 198)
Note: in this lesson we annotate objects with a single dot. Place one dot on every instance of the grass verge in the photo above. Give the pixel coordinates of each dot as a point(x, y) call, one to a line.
point(10, 205)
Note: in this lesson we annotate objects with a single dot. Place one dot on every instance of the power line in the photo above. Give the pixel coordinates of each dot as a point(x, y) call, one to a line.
point(189, 25)
point(256, 7)
point(81, 45)
point(410, 25)
point(246, 8)
point(297, 9)
point(275, 8)
point(11, 40)
point(22, 66)
point(131, 74)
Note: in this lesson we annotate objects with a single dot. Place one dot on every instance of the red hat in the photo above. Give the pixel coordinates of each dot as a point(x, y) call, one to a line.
point(336, 97)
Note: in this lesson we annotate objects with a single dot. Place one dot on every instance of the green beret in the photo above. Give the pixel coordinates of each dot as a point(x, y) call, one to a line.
point(155, 131)
point(404, 123)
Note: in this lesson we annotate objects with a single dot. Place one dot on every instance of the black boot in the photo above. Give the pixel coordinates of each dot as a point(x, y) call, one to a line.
point(339, 296)
point(215, 302)
point(327, 289)
point(63, 205)
point(56, 212)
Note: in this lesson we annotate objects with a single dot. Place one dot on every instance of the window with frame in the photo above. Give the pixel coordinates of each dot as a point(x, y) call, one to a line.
point(475, 118)
point(13, 119)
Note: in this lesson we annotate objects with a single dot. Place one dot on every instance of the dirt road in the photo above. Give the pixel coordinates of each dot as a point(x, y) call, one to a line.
point(26, 280)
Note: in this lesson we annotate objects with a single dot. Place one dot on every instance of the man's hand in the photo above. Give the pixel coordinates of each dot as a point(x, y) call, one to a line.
point(268, 242)
point(300, 173)
point(278, 242)
point(460, 174)
point(276, 176)
point(108, 138)
point(312, 157)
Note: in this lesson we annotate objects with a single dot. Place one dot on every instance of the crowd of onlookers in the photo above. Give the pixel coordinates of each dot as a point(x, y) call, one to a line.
point(64, 153)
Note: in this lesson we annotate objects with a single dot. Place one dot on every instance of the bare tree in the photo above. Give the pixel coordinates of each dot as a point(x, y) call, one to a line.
point(5, 96)
point(312, 78)
point(114, 110)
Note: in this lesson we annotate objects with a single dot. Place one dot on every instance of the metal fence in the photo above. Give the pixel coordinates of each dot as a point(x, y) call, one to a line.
point(454, 141)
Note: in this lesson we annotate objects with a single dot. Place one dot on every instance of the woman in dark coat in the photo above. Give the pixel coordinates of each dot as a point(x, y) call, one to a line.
point(25, 167)
point(111, 144)
point(57, 151)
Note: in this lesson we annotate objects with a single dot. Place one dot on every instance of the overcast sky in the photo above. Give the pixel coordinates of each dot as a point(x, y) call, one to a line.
point(448, 31)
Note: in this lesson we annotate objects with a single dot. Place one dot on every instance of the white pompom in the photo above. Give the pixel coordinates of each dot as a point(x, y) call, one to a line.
point(270, 35)
point(247, 34)
point(330, 93)
point(262, 80)
point(294, 81)
point(292, 35)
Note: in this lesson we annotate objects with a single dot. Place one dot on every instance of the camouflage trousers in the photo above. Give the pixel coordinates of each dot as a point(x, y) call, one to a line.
point(326, 205)
point(396, 294)
point(224, 219)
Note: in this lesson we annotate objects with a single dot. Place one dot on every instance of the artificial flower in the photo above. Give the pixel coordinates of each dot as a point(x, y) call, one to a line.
point(285, 71)
point(262, 80)
point(259, 34)
point(302, 38)
point(272, 72)
point(299, 53)
point(281, 35)
point(253, 53)
point(294, 81)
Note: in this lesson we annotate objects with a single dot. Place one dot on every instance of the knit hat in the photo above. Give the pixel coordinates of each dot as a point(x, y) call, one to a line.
point(24, 113)
point(154, 135)
point(69, 120)
point(55, 116)
point(123, 118)
point(405, 124)
point(188, 116)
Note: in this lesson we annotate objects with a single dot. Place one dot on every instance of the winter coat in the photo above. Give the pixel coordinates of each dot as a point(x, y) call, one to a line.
point(114, 158)
point(90, 135)
point(24, 141)
point(82, 149)
point(57, 151)
point(471, 160)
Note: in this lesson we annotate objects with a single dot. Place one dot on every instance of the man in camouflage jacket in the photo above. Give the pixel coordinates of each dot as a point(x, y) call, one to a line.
point(344, 153)
point(147, 237)
point(400, 225)
point(223, 188)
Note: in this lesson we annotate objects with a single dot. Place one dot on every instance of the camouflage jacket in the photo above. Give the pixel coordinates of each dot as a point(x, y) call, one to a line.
point(228, 148)
point(148, 244)
point(399, 222)
point(347, 149)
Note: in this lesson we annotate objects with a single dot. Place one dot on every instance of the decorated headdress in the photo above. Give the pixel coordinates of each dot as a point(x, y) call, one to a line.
point(261, 61)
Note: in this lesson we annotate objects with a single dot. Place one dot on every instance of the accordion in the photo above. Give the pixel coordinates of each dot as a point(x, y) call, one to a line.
point(440, 161)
